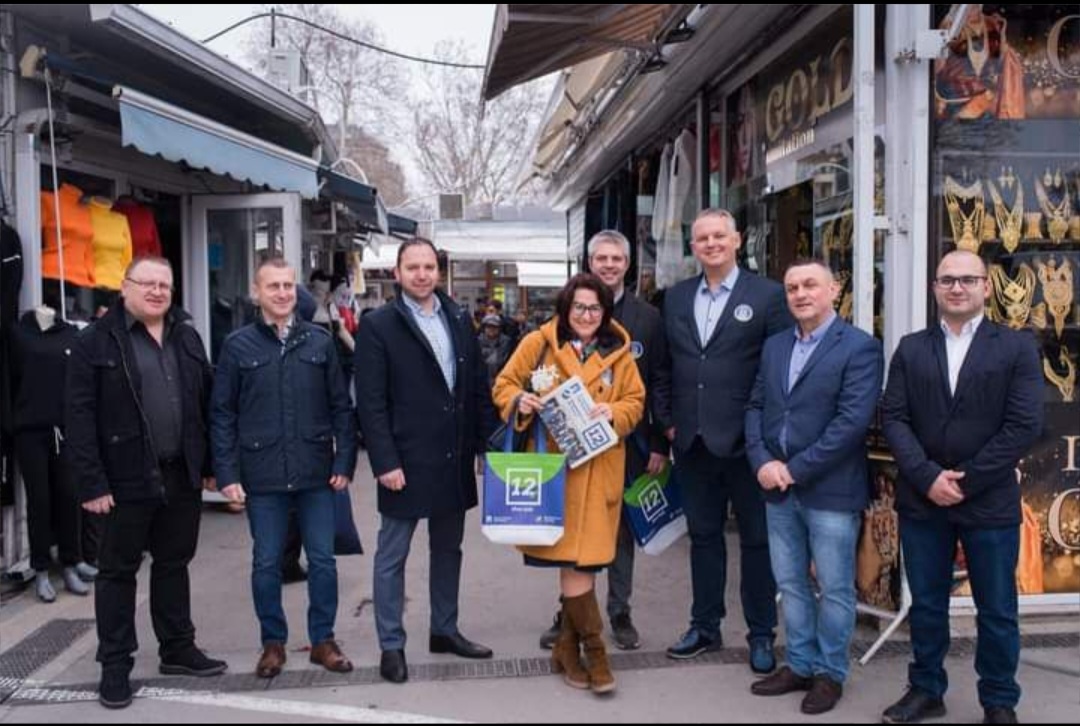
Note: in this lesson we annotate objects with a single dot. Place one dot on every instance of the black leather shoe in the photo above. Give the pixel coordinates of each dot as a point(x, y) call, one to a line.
point(693, 644)
point(293, 571)
point(999, 714)
point(392, 666)
point(549, 636)
point(192, 662)
point(459, 645)
point(914, 707)
point(114, 691)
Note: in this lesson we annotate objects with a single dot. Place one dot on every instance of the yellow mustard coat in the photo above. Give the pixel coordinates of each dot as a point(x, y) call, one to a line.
point(594, 490)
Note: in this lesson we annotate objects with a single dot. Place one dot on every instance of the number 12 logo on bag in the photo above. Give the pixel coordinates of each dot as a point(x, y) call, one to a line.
point(523, 488)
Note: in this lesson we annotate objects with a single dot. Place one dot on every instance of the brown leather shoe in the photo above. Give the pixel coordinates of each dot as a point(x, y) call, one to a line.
point(329, 656)
point(783, 681)
point(823, 696)
point(271, 660)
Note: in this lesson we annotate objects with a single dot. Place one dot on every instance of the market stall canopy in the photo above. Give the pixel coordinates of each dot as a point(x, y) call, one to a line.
point(157, 128)
point(362, 200)
point(531, 41)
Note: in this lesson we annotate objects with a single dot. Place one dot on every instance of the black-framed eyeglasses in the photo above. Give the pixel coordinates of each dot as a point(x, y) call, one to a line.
point(581, 309)
point(968, 281)
point(151, 285)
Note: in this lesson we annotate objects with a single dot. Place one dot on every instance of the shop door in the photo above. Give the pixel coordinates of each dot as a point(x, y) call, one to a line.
point(230, 236)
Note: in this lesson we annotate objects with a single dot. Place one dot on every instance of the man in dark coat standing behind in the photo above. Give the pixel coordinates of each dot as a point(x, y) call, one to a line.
point(425, 411)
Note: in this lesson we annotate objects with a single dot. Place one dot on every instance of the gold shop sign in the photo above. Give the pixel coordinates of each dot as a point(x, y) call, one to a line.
point(811, 91)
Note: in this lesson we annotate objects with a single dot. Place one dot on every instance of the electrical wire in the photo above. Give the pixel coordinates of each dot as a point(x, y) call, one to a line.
point(342, 36)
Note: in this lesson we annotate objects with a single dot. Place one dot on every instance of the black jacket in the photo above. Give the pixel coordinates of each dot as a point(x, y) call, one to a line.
point(411, 421)
point(108, 444)
point(282, 418)
point(38, 368)
point(984, 430)
point(711, 384)
point(649, 347)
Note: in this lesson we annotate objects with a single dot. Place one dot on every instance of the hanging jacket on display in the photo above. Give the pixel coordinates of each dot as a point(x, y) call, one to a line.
point(39, 371)
point(11, 274)
point(112, 244)
point(76, 233)
point(145, 241)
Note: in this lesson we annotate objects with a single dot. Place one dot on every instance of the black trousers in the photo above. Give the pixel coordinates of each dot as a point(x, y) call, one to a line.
point(169, 530)
point(52, 510)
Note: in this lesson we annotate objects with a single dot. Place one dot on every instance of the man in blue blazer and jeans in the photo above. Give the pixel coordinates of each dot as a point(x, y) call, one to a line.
point(813, 401)
point(716, 325)
point(963, 405)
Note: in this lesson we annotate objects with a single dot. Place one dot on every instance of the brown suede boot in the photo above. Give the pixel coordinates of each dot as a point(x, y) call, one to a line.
point(584, 614)
point(566, 655)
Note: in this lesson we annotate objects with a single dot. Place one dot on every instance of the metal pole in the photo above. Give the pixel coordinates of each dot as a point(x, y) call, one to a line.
point(863, 162)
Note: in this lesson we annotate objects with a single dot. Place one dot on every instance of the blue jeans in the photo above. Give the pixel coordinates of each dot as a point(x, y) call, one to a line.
point(929, 551)
point(817, 632)
point(708, 484)
point(268, 516)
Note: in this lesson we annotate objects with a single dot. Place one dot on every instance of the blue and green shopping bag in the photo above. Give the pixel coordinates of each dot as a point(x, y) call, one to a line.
point(524, 494)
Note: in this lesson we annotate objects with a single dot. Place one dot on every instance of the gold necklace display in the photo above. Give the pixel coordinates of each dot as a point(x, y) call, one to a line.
point(967, 227)
point(1057, 290)
point(1010, 221)
point(1011, 301)
point(1066, 384)
point(1034, 226)
point(1057, 215)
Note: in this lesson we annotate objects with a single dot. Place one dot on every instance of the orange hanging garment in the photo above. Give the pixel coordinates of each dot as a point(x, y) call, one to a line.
point(77, 235)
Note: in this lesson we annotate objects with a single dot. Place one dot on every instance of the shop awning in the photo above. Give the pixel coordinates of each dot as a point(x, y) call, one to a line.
point(541, 274)
point(570, 103)
point(530, 41)
point(402, 226)
point(362, 199)
point(158, 128)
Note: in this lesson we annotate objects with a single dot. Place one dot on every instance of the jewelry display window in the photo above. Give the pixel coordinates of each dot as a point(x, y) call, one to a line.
point(1005, 185)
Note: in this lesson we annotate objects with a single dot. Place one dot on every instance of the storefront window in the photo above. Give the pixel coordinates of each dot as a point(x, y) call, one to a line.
point(789, 166)
point(1006, 185)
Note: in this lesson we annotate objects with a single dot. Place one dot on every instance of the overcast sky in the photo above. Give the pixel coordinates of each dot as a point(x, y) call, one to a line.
point(412, 29)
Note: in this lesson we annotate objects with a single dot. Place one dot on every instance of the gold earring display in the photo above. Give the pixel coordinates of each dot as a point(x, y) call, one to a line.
point(1012, 298)
point(1057, 290)
point(989, 229)
point(1057, 214)
point(1010, 221)
point(1057, 178)
point(1047, 179)
point(1065, 383)
point(967, 227)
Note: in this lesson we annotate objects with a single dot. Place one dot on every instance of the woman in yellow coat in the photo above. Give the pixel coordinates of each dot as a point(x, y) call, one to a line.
point(582, 340)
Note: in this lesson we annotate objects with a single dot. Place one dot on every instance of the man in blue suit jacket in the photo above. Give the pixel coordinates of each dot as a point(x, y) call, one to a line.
point(963, 405)
point(806, 424)
point(716, 325)
point(424, 403)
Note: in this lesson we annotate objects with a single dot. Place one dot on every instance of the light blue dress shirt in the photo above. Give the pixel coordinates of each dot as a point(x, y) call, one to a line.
point(437, 331)
point(709, 305)
point(800, 355)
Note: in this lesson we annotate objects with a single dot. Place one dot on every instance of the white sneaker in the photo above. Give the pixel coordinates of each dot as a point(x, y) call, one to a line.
point(44, 588)
point(74, 584)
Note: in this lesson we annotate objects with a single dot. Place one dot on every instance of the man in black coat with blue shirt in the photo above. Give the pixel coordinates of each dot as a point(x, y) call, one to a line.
point(424, 403)
point(716, 325)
